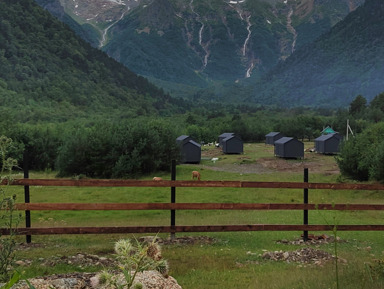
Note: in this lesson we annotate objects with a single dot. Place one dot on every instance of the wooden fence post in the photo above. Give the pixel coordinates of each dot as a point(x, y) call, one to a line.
point(305, 233)
point(173, 200)
point(26, 194)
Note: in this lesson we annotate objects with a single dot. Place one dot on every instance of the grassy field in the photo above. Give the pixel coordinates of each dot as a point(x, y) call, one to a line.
point(233, 259)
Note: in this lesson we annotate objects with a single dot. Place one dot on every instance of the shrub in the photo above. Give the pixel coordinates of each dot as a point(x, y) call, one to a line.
point(361, 157)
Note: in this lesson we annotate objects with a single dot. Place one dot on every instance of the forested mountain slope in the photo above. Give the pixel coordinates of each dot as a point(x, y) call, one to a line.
point(346, 62)
point(48, 73)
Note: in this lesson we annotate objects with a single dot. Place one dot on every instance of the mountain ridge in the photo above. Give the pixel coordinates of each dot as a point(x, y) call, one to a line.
point(200, 43)
point(341, 64)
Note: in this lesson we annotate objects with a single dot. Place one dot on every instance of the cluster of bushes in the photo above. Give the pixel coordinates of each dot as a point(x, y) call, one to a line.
point(103, 150)
point(362, 157)
point(118, 150)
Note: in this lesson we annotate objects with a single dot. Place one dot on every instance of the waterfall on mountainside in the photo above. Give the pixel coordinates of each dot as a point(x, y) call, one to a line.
point(291, 29)
point(105, 31)
point(203, 46)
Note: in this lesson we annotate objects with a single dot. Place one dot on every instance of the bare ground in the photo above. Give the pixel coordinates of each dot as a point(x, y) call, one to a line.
point(316, 163)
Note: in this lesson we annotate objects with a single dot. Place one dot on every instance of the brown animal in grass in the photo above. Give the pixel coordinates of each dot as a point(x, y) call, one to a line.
point(157, 179)
point(195, 175)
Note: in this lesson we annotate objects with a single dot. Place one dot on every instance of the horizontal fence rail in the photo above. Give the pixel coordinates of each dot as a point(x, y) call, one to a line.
point(192, 206)
point(172, 206)
point(180, 184)
point(190, 229)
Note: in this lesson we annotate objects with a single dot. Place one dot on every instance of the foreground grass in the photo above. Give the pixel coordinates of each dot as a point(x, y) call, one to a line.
point(234, 259)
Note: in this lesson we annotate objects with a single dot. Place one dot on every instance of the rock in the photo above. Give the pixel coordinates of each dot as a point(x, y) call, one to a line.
point(60, 283)
point(68, 283)
point(94, 282)
point(150, 280)
point(20, 263)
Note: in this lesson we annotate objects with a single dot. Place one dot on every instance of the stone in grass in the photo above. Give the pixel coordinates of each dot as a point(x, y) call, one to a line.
point(150, 280)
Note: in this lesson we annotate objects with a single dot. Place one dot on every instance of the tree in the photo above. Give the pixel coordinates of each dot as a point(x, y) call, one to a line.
point(376, 114)
point(358, 105)
point(378, 102)
point(351, 160)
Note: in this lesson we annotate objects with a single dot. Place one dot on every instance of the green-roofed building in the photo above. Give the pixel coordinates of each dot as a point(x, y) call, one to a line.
point(328, 130)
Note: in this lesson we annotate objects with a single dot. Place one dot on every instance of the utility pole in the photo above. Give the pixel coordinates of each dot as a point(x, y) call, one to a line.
point(349, 129)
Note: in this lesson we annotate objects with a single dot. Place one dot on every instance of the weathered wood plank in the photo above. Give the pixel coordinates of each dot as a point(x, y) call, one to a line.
point(192, 206)
point(180, 183)
point(176, 229)
point(121, 183)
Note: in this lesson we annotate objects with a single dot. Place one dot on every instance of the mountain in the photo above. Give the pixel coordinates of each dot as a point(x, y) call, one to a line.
point(187, 45)
point(345, 62)
point(85, 31)
point(48, 73)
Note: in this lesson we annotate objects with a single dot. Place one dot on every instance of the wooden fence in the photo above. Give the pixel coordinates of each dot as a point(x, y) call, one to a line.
point(173, 206)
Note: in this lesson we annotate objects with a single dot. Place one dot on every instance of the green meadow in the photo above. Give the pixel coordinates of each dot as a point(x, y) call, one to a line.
point(231, 259)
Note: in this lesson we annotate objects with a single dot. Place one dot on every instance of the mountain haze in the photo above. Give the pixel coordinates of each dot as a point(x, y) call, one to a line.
point(187, 45)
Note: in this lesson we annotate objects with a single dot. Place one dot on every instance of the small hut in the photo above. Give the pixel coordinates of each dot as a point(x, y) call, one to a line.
point(289, 147)
point(224, 136)
point(232, 145)
point(190, 151)
point(272, 137)
point(183, 139)
point(328, 143)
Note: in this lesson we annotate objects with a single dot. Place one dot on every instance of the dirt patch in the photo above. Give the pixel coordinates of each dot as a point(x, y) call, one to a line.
point(312, 240)
point(86, 260)
point(314, 162)
point(306, 255)
point(244, 164)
